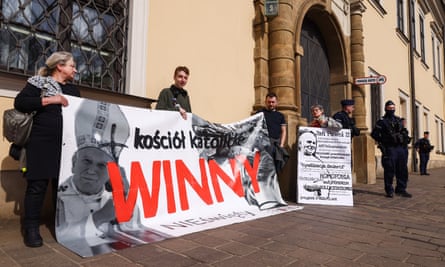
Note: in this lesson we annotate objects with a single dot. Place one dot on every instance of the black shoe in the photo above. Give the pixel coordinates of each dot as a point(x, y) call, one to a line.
point(389, 195)
point(426, 174)
point(32, 238)
point(404, 194)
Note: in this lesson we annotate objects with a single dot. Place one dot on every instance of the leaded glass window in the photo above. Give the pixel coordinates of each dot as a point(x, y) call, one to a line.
point(94, 31)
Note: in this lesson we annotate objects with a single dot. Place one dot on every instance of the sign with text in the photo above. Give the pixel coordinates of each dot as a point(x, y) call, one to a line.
point(324, 166)
point(132, 176)
point(370, 80)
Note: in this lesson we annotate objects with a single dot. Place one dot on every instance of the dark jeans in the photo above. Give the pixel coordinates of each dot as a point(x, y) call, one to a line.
point(34, 198)
point(424, 158)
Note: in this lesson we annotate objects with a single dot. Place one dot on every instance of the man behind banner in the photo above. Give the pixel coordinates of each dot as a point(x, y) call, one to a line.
point(85, 211)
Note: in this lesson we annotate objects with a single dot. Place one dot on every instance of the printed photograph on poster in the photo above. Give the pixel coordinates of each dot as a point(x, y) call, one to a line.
point(324, 166)
point(126, 181)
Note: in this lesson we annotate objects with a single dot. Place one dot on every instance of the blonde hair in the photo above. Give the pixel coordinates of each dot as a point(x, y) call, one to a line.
point(52, 61)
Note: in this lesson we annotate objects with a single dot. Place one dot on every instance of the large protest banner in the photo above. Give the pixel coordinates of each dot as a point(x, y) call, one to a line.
point(324, 166)
point(132, 176)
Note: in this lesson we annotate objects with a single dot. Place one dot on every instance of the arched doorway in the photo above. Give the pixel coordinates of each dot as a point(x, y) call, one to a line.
point(314, 69)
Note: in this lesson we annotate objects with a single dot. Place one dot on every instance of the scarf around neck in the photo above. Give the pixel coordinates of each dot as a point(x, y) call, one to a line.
point(48, 85)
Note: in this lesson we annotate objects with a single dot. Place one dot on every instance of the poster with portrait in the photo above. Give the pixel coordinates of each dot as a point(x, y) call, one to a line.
point(324, 167)
point(132, 176)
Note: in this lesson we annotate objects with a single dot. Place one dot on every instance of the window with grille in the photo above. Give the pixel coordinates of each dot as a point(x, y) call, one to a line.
point(94, 31)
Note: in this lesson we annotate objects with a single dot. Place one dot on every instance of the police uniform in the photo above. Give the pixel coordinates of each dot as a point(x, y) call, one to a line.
point(424, 147)
point(346, 121)
point(392, 138)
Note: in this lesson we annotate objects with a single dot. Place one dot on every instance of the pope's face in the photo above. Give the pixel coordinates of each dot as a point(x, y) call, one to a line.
point(90, 170)
point(308, 142)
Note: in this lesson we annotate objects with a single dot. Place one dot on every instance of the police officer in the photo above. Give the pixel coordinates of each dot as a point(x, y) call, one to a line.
point(345, 117)
point(424, 147)
point(391, 136)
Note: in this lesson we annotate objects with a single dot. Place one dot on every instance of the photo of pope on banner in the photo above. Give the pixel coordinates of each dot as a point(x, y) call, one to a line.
point(132, 176)
point(324, 166)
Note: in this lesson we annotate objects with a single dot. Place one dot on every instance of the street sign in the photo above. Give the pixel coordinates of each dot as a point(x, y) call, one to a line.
point(370, 80)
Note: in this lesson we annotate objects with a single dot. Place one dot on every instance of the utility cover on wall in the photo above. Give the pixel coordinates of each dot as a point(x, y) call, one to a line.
point(271, 8)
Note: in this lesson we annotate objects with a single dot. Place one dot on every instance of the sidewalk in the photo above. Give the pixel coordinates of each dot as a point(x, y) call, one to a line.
point(377, 231)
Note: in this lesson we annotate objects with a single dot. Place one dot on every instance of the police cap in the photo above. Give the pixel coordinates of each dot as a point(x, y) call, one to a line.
point(389, 103)
point(347, 102)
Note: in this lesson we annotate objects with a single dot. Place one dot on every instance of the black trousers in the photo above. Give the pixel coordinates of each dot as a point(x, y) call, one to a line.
point(424, 158)
point(394, 163)
point(34, 198)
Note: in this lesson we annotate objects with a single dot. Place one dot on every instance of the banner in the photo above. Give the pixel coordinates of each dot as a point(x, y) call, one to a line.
point(132, 176)
point(324, 166)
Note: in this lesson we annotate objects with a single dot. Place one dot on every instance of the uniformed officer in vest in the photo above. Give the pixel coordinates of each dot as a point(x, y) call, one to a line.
point(390, 134)
point(424, 147)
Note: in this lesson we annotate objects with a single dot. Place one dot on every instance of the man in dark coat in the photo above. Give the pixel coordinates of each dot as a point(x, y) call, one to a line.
point(424, 147)
point(345, 117)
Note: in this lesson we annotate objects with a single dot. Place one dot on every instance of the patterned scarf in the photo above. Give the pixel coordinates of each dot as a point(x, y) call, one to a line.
point(47, 84)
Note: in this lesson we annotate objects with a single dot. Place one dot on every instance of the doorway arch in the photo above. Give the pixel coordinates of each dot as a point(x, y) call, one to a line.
point(314, 66)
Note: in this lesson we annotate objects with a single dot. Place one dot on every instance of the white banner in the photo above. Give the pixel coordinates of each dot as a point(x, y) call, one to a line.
point(132, 176)
point(324, 166)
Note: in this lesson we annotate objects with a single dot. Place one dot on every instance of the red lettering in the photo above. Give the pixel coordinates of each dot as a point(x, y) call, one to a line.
point(124, 206)
point(253, 170)
point(183, 174)
point(235, 185)
point(171, 205)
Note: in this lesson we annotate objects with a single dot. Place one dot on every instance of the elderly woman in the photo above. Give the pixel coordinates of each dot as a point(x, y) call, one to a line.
point(320, 120)
point(43, 93)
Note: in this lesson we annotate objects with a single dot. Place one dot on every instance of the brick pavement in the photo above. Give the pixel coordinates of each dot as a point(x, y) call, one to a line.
point(377, 231)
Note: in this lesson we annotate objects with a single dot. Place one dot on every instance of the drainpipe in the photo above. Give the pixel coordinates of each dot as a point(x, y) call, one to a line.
point(414, 129)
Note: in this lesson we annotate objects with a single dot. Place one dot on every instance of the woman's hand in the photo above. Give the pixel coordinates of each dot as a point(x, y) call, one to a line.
point(56, 99)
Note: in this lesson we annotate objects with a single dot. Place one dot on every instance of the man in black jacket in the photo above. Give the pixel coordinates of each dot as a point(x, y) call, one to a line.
point(424, 147)
point(345, 117)
point(392, 138)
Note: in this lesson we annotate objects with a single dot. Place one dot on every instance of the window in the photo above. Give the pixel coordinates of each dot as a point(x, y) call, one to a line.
point(425, 122)
point(437, 62)
point(413, 25)
point(422, 37)
point(442, 137)
point(376, 103)
point(401, 16)
point(438, 143)
point(94, 31)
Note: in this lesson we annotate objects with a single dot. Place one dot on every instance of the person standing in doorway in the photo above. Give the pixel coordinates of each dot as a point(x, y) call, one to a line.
point(345, 117)
point(424, 147)
point(320, 120)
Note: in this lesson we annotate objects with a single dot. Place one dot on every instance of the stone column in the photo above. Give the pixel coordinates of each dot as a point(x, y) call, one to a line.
point(364, 146)
point(281, 72)
point(261, 55)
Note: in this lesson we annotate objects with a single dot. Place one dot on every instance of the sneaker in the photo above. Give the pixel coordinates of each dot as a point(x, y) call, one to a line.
point(389, 195)
point(32, 238)
point(404, 194)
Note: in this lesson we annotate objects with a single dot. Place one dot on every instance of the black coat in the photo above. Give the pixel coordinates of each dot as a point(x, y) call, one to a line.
point(43, 149)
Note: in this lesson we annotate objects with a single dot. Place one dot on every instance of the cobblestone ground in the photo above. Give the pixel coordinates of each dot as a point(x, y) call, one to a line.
point(376, 231)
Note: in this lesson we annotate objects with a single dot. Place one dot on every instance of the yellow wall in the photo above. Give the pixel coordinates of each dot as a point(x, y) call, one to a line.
point(215, 41)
